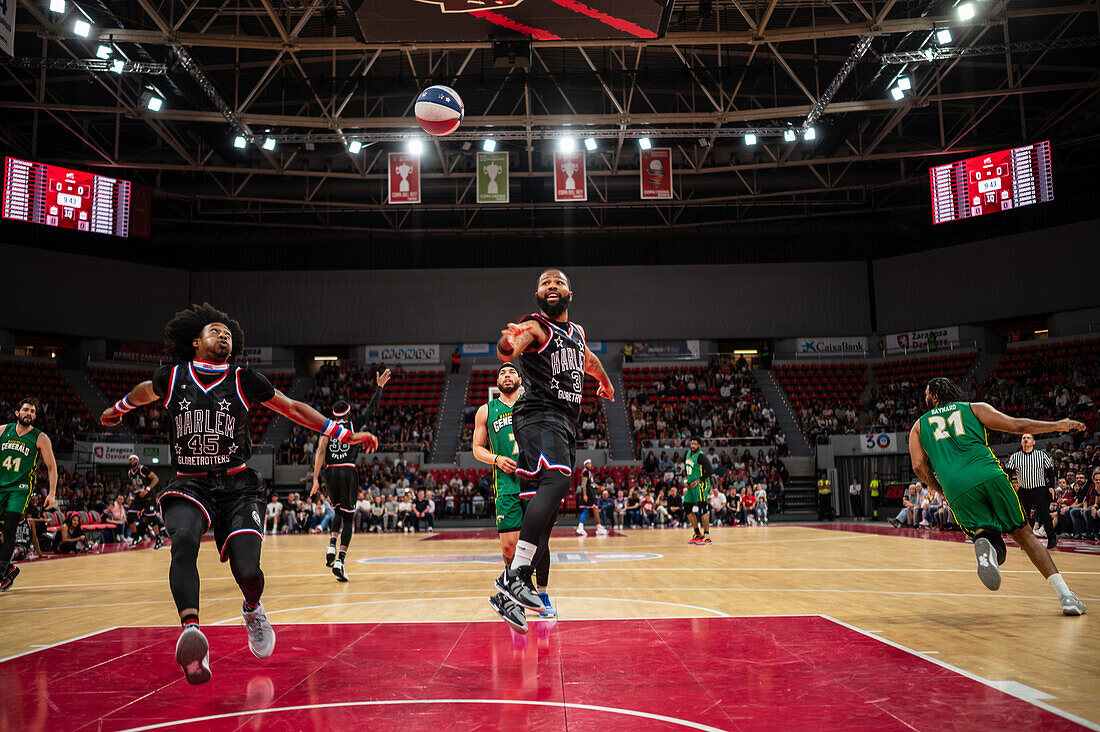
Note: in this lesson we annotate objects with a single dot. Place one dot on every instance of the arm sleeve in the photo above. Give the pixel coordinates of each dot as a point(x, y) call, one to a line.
point(255, 386)
point(374, 400)
point(160, 380)
point(704, 464)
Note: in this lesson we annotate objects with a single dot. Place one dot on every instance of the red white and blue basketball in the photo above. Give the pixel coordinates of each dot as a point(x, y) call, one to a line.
point(439, 110)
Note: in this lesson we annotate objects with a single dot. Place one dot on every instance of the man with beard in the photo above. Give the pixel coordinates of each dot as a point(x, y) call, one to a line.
point(950, 453)
point(553, 357)
point(21, 444)
point(141, 512)
point(208, 400)
point(495, 443)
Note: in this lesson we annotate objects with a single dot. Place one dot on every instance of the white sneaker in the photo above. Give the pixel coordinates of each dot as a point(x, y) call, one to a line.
point(193, 655)
point(581, 531)
point(338, 570)
point(601, 531)
point(1071, 605)
point(988, 570)
point(1041, 532)
point(261, 636)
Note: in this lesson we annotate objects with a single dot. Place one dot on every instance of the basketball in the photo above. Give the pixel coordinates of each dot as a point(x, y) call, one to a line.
point(439, 110)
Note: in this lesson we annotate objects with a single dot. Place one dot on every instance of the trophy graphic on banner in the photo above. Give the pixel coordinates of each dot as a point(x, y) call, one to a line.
point(492, 170)
point(569, 168)
point(403, 170)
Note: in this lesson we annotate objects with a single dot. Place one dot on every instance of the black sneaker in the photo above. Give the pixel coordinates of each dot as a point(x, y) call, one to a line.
point(516, 585)
point(9, 578)
point(159, 543)
point(509, 611)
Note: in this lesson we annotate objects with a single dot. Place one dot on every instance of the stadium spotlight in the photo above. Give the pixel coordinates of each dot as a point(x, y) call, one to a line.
point(82, 28)
point(416, 147)
point(904, 83)
point(354, 147)
point(269, 144)
point(590, 144)
point(644, 143)
point(118, 65)
point(567, 144)
point(966, 11)
point(239, 142)
point(897, 93)
point(57, 6)
point(489, 145)
point(750, 139)
point(103, 52)
point(809, 134)
point(152, 102)
point(943, 36)
point(789, 135)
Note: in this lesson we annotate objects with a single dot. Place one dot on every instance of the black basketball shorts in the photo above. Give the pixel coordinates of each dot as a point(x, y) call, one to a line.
point(233, 503)
point(342, 483)
point(543, 446)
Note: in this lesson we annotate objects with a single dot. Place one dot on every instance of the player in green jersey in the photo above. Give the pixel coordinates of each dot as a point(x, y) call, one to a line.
point(21, 444)
point(495, 444)
point(950, 452)
point(697, 475)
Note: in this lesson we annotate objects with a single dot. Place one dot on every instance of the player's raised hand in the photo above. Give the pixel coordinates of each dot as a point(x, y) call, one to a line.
point(607, 391)
point(366, 439)
point(512, 331)
point(383, 378)
point(1070, 425)
point(110, 417)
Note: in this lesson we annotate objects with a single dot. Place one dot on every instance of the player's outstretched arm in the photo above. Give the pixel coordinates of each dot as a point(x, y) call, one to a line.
point(481, 441)
point(516, 337)
point(594, 368)
point(140, 395)
point(305, 415)
point(996, 420)
point(919, 459)
point(45, 448)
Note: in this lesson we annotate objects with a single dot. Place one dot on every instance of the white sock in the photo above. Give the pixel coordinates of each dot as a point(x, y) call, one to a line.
point(525, 554)
point(1059, 585)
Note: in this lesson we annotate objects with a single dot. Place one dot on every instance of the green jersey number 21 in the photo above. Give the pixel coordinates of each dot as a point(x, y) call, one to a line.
point(954, 419)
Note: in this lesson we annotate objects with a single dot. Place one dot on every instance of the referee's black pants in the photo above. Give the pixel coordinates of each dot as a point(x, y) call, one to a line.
point(1038, 499)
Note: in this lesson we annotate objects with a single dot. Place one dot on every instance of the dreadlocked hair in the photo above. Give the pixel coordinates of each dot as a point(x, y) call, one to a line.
point(187, 325)
point(945, 391)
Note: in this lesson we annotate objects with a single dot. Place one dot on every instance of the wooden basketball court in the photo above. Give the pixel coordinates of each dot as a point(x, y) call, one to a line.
point(774, 627)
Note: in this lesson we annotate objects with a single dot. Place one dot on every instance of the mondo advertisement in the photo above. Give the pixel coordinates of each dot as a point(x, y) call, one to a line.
point(419, 353)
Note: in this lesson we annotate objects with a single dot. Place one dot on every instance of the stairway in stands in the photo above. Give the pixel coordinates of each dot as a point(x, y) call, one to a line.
point(449, 427)
point(91, 395)
point(784, 412)
point(619, 432)
point(280, 428)
point(983, 368)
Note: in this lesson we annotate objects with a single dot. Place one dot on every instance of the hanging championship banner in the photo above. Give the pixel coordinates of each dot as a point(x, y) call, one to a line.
point(570, 182)
point(404, 178)
point(656, 171)
point(492, 177)
point(7, 26)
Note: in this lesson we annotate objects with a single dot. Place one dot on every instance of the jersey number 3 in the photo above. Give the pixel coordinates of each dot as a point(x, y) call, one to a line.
point(954, 419)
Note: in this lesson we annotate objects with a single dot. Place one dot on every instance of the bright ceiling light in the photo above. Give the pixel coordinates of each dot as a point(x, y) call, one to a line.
point(567, 144)
point(416, 147)
point(489, 145)
point(239, 142)
point(57, 6)
point(904, 83)
point(750, 139)
point(354, 147)
point(789, 135)
point(644, 143)
point(269, 144)
point(966, 11)
point(590, 144)
point(154, 103)
point(943, 35)
point(82, 28)
point(103, 52)
point(897, 94)
point(118, 65)
point(809, 134)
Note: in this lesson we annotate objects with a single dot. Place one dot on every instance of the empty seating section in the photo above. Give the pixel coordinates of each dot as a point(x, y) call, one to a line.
point(827, 397)
point(150, 423)
point(62, 415)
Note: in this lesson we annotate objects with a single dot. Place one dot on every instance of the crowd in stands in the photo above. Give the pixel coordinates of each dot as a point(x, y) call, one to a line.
point(61, 413)
point(826, 397)
point(403, 421)
point(669, 405)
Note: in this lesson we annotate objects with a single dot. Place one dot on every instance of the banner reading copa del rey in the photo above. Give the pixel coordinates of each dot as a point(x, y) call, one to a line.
point(919, 339)
point(111, 453)
point(492, 177)
point(656, 172)
point(404, 178)
point(403, 353)
point(570, 180)
point(834, 346)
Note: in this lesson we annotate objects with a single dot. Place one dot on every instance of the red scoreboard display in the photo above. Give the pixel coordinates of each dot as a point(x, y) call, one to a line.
point(988, 183)
point(71, 199)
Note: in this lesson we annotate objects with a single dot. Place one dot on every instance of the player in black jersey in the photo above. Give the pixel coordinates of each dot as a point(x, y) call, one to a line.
point(142, 510)
point(208, 400)
point(337, 459)
point(553, 358)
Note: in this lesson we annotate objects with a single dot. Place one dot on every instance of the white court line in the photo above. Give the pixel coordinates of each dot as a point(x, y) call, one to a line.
point(716, 613)
point(338, 705)
point(59, 643)
point(1011, 690)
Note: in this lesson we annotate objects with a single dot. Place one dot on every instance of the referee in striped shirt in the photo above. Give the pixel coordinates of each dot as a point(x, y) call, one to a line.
point(1034, 473)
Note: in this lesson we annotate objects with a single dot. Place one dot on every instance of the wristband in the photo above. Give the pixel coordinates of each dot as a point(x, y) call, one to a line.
point(343, 434)
point(123, 405)
point(495, 460)
point(331, 429)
